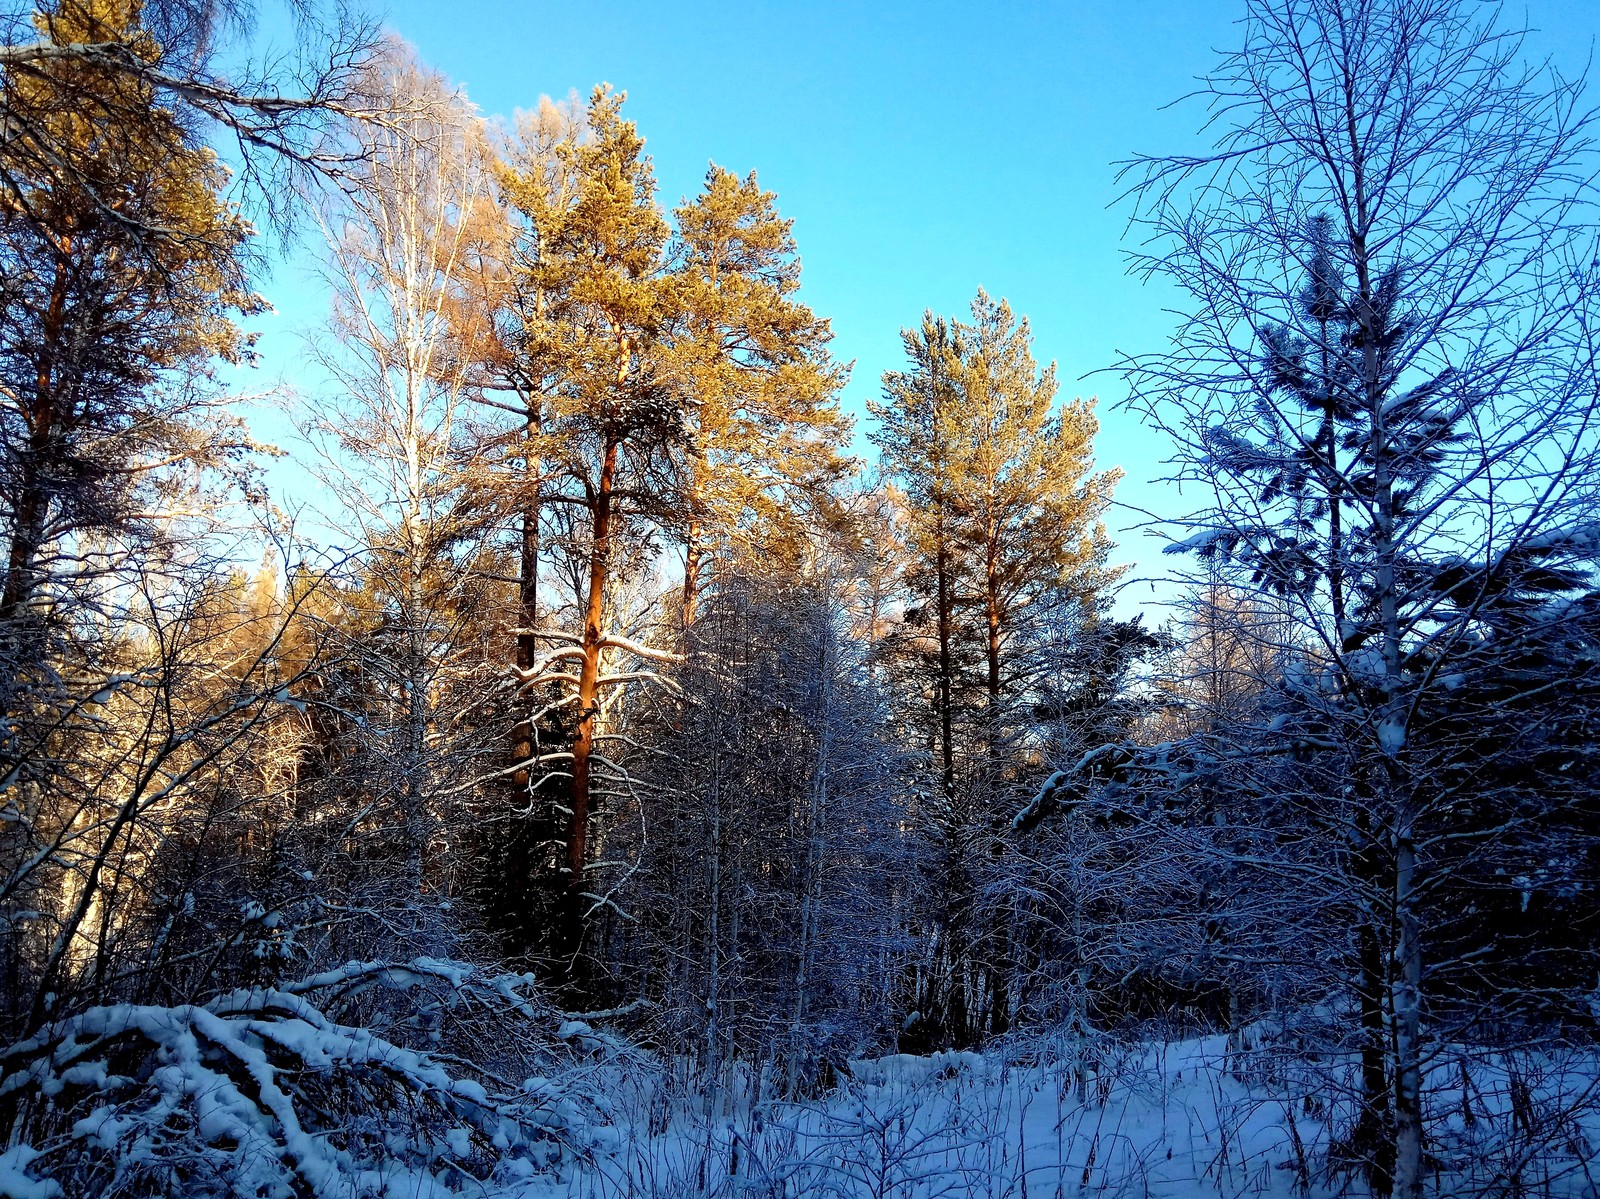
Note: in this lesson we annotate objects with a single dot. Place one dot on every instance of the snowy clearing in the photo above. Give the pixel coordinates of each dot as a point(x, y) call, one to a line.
point(1188, 1118)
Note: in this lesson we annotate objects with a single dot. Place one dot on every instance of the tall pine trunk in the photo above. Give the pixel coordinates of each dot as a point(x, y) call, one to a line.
point(946, 685)
point(30, 506)
point(587, 704)
point(693, 563)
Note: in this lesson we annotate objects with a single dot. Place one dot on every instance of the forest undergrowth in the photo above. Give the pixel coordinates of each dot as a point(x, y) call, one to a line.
point(311, 1088)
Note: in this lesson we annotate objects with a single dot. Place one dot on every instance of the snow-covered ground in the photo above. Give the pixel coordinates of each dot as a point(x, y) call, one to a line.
point(1167, 1122)
point(263, 1093)
point(1163, 1121)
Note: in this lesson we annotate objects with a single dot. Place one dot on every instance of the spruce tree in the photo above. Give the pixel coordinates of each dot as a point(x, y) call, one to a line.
point(1383, 380)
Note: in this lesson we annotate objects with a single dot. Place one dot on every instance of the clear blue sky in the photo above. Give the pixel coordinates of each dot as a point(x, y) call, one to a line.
point(922, 149)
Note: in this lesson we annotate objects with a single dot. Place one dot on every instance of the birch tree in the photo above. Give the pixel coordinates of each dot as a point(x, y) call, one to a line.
point(772, 866)
point(396, 454)
point(1387, 380)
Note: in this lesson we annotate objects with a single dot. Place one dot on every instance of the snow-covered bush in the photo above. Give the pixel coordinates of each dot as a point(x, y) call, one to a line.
point(355, 1082)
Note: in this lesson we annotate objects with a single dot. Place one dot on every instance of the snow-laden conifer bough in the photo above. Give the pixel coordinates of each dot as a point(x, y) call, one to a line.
point(339, 1084)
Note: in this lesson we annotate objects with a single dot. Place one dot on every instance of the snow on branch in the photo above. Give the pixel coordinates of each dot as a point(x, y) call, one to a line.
point(1201, 542)
point(636, 676)
point(266, 1091)
point(1049, 797)
point(638, 649)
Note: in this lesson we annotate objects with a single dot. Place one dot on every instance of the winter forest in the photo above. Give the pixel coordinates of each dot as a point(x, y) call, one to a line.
point(621, 770)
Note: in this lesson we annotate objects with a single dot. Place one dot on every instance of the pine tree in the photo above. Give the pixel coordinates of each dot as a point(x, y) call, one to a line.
point(764, 415)
point(1024, 487)
point(1003, 513)
point(612, 428)
point(670, 386)
point(919, 438)
point(499, 302)
point(397, 453)
point(121, 282)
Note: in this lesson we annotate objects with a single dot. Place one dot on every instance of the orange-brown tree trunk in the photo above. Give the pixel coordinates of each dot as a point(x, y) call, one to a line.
point(693, 563)
point(946, 601)
point(588, 695)
point(991, 611)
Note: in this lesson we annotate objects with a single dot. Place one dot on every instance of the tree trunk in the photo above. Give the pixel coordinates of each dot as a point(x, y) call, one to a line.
point(992, 619)
point(1406, 980)
point(414, 784)
point(30, 506)
point(810, 875)
point(693, 561)
point(1390, 721)
point(1373, 1136)
point(946, 671)
point(714, 943)
point(1409, 1163)
point(522, 743)
point(588, 694)
point(26, 534)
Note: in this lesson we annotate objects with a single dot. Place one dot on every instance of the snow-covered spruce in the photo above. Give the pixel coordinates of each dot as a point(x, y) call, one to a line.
point(341, 1084)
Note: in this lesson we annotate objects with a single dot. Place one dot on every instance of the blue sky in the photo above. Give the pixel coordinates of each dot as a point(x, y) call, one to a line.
point(922, 149)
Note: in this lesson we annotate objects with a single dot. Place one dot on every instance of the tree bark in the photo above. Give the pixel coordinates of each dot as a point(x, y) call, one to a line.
point(522, 733)
point(1373, 1136)
point(31, 504)
point(1409, 1162)
point(588, 693)
point(693, 559)
point(946, 670)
